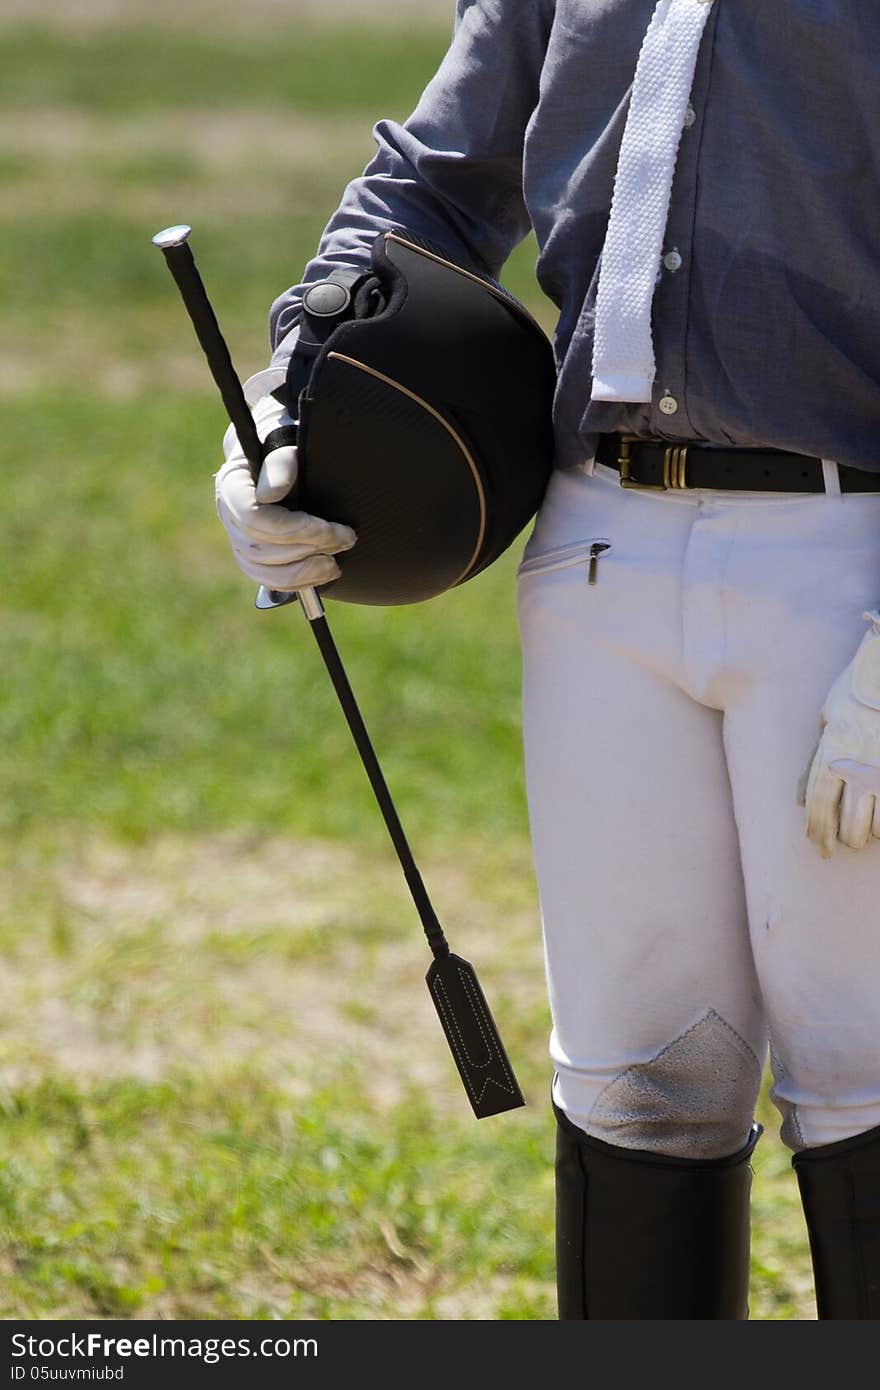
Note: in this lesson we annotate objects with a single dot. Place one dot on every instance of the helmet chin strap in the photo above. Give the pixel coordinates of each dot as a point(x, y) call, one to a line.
point(325, 305)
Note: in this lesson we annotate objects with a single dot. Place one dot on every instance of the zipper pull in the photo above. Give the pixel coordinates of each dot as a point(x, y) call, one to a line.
point(595, 551)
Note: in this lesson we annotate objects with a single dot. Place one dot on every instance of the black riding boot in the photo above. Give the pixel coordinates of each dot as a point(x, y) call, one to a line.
point(642, 1236)
point(840, 1191)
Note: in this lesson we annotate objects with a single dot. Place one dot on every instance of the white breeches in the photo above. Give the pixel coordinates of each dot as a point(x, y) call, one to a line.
point(669, 710)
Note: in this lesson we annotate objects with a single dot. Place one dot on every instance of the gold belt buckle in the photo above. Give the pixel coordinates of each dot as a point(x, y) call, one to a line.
point(674, 465)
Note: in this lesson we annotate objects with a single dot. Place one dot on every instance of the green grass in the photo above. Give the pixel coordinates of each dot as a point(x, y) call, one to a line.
point(223, 1089)
point(157, 696)
point(223, 1201)
point(333, 70)
point(195, 1199)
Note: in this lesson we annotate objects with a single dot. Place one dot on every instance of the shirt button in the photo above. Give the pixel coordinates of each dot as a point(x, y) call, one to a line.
point(689, 116)
point(672, 260)
point(668, 404)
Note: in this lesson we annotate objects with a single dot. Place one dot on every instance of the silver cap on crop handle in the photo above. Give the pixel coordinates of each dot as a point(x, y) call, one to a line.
point(172, 236)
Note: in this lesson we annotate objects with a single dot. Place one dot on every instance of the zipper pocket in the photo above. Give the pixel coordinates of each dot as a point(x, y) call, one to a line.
point(584, 553)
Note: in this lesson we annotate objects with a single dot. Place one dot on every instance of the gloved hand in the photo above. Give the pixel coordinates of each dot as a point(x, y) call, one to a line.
point(841, 786)
point(284, 550)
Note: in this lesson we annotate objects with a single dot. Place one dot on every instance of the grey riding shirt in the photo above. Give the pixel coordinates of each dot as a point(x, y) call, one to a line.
point(766, 314)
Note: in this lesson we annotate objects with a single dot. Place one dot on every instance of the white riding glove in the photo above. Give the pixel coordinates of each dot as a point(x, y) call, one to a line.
point(842, 783)
point(281, 549)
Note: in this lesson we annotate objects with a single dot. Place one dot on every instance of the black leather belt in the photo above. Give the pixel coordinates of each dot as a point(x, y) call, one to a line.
point(655, 463)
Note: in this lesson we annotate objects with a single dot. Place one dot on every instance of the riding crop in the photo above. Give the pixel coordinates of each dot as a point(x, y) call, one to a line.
point(461, 1006)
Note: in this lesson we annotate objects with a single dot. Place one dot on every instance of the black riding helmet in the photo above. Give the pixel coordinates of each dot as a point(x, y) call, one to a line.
point(423, 396)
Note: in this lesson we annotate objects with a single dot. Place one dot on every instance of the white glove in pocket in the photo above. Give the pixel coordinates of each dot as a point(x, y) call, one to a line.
point(842, 790)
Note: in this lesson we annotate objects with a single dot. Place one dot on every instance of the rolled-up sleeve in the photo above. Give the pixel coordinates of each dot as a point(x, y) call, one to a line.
point(452, 172)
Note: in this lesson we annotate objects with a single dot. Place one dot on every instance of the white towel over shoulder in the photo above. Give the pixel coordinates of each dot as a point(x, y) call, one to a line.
point(623, 352)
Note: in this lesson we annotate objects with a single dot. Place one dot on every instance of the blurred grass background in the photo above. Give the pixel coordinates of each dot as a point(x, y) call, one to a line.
point(223, 1088)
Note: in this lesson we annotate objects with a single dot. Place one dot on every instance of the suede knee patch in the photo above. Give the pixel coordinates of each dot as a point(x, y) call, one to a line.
point(694, 1099)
